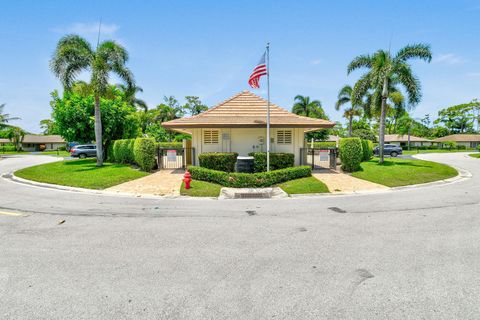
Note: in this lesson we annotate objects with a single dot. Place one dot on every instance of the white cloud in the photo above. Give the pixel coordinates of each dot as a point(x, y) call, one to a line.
point(87, 29)
point(448, 58)
point(473, 74)
point(316, 61)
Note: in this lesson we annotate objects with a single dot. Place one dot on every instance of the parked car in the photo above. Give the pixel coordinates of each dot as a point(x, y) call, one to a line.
point(389, 149)
point(83, 150)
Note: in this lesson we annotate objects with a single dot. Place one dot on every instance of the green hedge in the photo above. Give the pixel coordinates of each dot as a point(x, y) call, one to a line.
point(7, 148)
point(277, 161)
point(144, 150)
point(123, 151)
point(367, 149)
point(221, 161)
point(351, 153)
point(249, 180)
point(170, 145)
point(322, 144)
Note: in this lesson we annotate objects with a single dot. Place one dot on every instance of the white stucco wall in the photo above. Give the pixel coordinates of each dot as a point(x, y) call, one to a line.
point(246, 140)
point(34, 147)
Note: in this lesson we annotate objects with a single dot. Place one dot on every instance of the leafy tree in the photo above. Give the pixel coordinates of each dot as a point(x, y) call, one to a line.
point(194, 106)
point(5, 117)
point(16, 135)
point(460, 118)
point(74, 55)
point(130, 96)
point(384, 69)
point(345, 97)
point(74, 117)
point(303, 106)
point(49, 126)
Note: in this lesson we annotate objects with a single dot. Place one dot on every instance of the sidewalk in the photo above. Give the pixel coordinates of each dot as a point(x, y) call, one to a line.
point(344, 183)
point(161, 183)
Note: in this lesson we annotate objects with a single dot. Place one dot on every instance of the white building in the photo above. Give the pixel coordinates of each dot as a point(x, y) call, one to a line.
point(239, 125)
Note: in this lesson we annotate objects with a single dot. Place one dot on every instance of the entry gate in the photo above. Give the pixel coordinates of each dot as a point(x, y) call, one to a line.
point(319, 158)
point(175, 158)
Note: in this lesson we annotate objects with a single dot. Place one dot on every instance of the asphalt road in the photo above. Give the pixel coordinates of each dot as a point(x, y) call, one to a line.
point(406, 254)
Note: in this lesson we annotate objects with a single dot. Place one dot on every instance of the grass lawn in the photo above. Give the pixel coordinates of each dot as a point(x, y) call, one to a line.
point(201, 189)
point(304, 185)
point(53, 153)
point(406, 152)
point(395, 172)
point(475, 155)
point(81, 173)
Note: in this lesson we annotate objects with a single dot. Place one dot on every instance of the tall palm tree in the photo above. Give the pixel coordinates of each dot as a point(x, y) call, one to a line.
point(405, 125)
point(16, 135)
point(130, 95)
point(345, 97)
point(384, 68)
point(5, 117)
point(303, 106)
point(74, 55)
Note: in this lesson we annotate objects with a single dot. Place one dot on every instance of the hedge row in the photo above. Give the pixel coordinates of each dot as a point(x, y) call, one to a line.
point(221, 161)
point(140, 151)
point(249, 180)
point(367, 149)
point(277, 161)
point(170, 145)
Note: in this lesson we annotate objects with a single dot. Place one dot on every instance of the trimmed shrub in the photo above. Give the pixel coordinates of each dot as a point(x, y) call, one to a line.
point(170, 145)
point(249, 180)
point(461, 147)
point(367, 149)
point(323, 144)
point(277, 161)
point(478, 147)
point(8, 147)
point(449, 145)
point(62, 148)
point(351, 153)
point(123, 151)
point(144, 153)
point(221, 161)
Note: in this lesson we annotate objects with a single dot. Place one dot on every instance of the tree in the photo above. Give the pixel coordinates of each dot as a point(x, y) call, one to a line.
point(345, 97)
point(74, 55)
point(383, 68)
point(5, 117)
point(405, 125)
point(130, 96)
point(304, 107)
point(74, 117)
point(460, 118)
point(194, 106)
point(16, 135)
point(49, 126)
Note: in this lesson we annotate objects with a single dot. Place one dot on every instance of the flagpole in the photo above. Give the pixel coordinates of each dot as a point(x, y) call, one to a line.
point(268, 106)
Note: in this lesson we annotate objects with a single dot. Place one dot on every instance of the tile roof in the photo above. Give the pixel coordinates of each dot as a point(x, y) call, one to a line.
point(246, 110)
point(34, 138)
point(404, 138)
point(460, 138)
point(2, 140)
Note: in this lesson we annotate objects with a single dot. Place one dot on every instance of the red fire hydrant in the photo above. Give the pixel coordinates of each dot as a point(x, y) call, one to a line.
point(187, 178)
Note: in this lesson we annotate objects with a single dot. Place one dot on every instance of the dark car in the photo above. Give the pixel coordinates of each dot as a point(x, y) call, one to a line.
point(83, 150)
point(388, 150)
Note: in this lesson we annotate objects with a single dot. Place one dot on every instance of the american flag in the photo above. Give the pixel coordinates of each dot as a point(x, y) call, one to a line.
point(258, 71)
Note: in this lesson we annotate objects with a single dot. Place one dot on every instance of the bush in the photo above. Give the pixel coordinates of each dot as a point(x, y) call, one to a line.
point(461, 147)
point(221, 161)
point(123, 151)
point(62, 148)
point(367, 149)
point(144, 153)
point(8, 148)
point(277, 161)
point(478, 147)
point(323, 144)
point(449, 145)
point(249, 180)
point(351, 153)
point(170, 145)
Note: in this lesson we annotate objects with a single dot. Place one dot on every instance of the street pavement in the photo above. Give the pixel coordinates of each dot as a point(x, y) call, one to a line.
point(411, 253)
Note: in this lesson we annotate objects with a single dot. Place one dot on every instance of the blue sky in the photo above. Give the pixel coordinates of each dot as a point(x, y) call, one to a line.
point(208, 48)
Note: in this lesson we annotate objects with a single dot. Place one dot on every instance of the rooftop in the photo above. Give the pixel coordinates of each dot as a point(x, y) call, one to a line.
point(404, 138)
point(246, 110)
point(34, 138)
point(460, 138)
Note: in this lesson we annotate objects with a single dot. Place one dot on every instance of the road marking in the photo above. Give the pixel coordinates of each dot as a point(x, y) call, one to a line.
point(10, 213)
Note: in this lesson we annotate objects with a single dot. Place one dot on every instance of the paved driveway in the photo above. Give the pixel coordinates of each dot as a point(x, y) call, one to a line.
point(409, 254)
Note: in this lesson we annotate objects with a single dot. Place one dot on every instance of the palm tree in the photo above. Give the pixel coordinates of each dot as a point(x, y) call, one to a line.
point(344, 97)
point(405, 125)
point(385, 68)
point(16, 135)
point(130, 95)
point(5, 117)
point(304, 107)
point(74, 55)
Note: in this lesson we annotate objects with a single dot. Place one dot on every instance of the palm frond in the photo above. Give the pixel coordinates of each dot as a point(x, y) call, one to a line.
point(414, 51)
point(410, 82)
point(362, 61)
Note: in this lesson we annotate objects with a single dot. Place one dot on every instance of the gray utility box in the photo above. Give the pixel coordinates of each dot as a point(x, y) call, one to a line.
point(244, 164)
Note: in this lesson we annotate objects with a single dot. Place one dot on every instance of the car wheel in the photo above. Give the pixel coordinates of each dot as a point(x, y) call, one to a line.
point(394, 154)
point(82, 155)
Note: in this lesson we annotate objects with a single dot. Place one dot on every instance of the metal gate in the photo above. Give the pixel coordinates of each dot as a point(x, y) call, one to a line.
point(319, 158)
point(178, 158)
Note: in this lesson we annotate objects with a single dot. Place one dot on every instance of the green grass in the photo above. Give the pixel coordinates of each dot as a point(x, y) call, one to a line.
point(395, 172)
point(81, 173)
point(201, 189)
point(304, 185)
point(53, 153)
point(406, 152)
point(475, 155)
